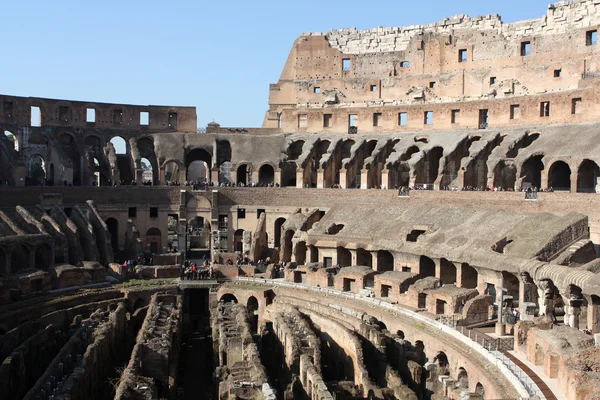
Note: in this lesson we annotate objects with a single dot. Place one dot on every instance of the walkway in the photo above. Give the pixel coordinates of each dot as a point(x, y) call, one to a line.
point(541, 383)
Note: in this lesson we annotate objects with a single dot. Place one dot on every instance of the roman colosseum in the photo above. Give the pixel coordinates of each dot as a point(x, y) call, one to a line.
point(417, 218)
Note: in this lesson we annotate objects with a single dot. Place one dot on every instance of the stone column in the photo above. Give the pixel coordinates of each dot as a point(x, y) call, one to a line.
point(299, 178)
point(364, 178)
point(320, 178)
point(573, 179)
point(353, 256)
point(277, 177)
point(544, 182)
point(593, 314)
point(161, 176)
point(385, 178)
point(214, 175)
point(343, 179)
point(375, 264)
point(574, 312)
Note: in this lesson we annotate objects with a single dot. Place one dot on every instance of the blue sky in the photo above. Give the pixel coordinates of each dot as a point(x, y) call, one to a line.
point(219, 56)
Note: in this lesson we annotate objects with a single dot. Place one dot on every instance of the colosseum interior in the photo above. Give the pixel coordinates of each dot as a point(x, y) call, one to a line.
point(417, 218)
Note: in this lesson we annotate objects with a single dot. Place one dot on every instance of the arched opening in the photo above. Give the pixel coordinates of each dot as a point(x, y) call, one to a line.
point(344, 257)
point(301, 253)
point(228, 298)
point(314, 253)
point(426, 267)
point(119, 144)
point(559, 176)
point(469, 276)
point(43, 256)
point(242, 174)
point(462, 380)
point(19, 259)
point(101, 174)
point(429, 167)
point(238, 240)
point(511, 284)
point(364, 258)
point(587, 176)
point(198, 162)
point(113, 229)
point(36, 171)
point(277, 228)
point(153, 240)
point(442, 359)
point(266, 175)
point(447, 272)
point(225, 172)
point(13, 139)
point(505, 175)
point(147, 171)
point(224, 160)
point(290, 166)
point(532, 171)
point(287, 246)
point(172, 173)
point(252, 308)
point(385, 261)
point(479, 389)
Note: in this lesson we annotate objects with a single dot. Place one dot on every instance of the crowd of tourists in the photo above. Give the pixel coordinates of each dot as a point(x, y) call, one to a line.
point(189, 270)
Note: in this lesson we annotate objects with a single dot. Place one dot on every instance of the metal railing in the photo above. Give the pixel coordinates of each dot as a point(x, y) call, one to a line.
point(590, 75)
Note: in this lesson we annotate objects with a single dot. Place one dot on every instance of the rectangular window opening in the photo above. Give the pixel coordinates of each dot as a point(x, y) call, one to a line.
point(326, 120)
point(432, 85)
point(241, 213)
point(144, 118)
point(373, 88)
point(462, 55)
point(493, 80)
point(302, 120)
point(352, 120)
point(515, 111)
point(591, 37)
point(260, 211)
point(557, 73)
point(545, 109)
point(132, 212)
point(90, 115)
point(404, 64)
point(525, 49)
point(402, 119)
point(153, 212)
point(576, 105)
point(346, 64)
point(377, 119)
point(483, 119)
point(428, 117)
point(317, 90)
point(63, 113)
point(454, 116)
point(36, 116)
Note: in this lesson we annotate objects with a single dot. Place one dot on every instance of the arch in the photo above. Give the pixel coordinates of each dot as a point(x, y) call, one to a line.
point(121, 146)
point(295, 149)
point(385, 261)
point(511, 284)
point(278, 224)
point(198, 163)
point(344, 257)
point(479, 389)
point(335, 229)
point(148, 172)
point(89, 141)
point(36, 170)
point(531, 171)
point(447, 272)
point(426, 267)
point(266, 175)
point(442, 359)
point(43, 257)
point(242, 174)
point(238, 240)
point(113, 229)
point(468, 276)
point(252, 308)
point(462, 380)
point(364, 257)
point(559, 176)
point(153, 240)
point(301, 253)
point(228, 298)
point(225, 172)
point(287, 245)
point(13, 139)
point(223, 152)
point(427, 173)
point(19, 259)
point(505, 175)
point(587, 174)
point(172, 172)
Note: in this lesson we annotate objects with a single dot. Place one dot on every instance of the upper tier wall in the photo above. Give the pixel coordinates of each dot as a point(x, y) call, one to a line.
point(54, 112)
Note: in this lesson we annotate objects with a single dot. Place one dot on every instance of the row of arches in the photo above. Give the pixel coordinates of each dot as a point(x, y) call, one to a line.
point(19, 258)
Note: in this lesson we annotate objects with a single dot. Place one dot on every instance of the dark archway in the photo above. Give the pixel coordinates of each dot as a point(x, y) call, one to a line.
point(19, 259)
point(427, 173)
point(194, 156)
point(43, 257)
point(364, 257)
point(238, 240)
point(153, 240)
point(252, 308)
point(224, 160)
point(385, 261)
point(314, 253)
point(462, 380)
point(113, 229)
point(228, 298)
point(287, 246)
point(559, 176)
point(277, 234)
point(36, 170)
point(426, 267)
point(469, 276)
point(447, 272)
point(301, 253)
point(587, 175)
point(511, 284)
point(241, 175)
point(266, 175)
point(531, 171)
point(505, 175)
point(344, 257)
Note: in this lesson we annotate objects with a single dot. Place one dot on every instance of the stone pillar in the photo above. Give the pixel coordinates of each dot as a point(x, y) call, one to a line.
point(343, 179)
point(161, 176)
point(527, 292)
point(375, 264)
point(593, 314)
point(544, 182)
point(364, 178)
point(573, 179)
point(320, 178)
point(309, 253)
point(277, 177)
point(500, 325)
point(353, 257)
point(299, 178)
point(214, 175)
point(574, 312)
